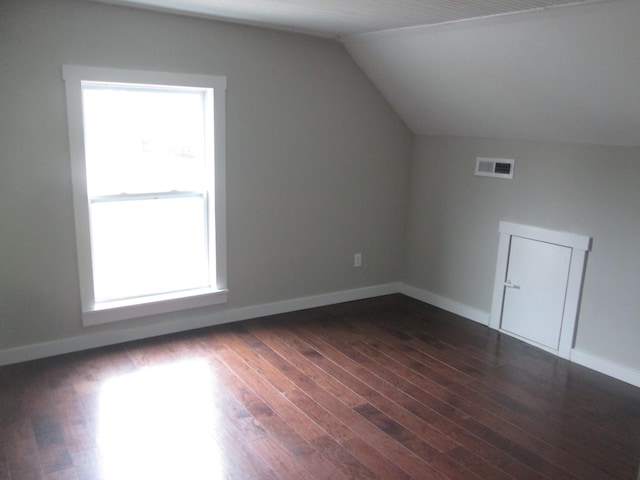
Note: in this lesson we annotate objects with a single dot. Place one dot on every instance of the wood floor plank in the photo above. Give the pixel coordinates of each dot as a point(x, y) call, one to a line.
point(524, 438)
point(346, 355)
point(534, 391)
point(534, 420)
point(387, 388)
point(291, 427)
point(355, 437)
point(512, 408)
point(502, 409)
point(307, 360)
point(364, 453)
point(441, 462)
point(281, 461)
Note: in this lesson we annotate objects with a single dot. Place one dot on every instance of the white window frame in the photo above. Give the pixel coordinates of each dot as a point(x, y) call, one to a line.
point(97, 313)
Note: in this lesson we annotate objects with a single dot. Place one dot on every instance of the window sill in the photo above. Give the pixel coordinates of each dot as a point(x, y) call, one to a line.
point(153, 305)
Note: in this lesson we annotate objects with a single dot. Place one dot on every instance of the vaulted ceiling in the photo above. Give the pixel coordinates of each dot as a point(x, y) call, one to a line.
point(486, 68)
point(340, 18)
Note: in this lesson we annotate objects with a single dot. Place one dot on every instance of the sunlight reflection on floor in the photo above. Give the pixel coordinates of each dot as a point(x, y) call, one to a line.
point(156, 423)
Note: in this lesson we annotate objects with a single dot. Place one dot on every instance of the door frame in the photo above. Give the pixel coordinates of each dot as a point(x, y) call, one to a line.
point(579, 244)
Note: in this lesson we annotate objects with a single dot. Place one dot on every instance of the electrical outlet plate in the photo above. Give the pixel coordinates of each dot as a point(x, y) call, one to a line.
point(357, 260)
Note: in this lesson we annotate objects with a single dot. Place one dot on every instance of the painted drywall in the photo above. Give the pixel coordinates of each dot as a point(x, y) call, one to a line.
point(317, 161)
point(561, 74)
point(586, 189)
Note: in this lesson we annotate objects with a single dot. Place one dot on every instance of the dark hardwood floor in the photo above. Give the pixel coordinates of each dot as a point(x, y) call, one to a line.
point(387, 388)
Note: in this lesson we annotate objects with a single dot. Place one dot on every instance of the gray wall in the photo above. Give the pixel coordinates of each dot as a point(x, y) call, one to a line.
point(317, 160)
point(586, 189)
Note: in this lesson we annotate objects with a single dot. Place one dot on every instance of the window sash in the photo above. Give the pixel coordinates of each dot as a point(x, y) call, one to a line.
point(132, 197)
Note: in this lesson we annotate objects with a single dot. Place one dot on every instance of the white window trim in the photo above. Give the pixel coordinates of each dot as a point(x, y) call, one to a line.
point(92, 313)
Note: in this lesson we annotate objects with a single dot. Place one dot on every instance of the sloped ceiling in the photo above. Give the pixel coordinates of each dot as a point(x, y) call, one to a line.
point(340, 18)
point(570, 75)
point(483, 68)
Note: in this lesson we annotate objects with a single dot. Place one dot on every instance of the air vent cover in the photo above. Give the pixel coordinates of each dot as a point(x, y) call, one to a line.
point(495, 167)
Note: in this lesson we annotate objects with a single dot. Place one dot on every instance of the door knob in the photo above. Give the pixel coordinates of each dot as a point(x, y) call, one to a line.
point(508, 284)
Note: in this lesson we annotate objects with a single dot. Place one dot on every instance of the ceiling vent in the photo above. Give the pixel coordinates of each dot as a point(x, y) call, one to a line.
point(495, 167)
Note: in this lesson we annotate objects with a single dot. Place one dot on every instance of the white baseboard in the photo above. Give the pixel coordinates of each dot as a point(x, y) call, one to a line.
point(593, 362)
point(445, 303)
point(101, 339)
point(607, 367)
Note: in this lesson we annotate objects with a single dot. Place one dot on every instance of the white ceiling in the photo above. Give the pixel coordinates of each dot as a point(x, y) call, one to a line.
point(568, 75)
point(556, 74)
point(341, 18)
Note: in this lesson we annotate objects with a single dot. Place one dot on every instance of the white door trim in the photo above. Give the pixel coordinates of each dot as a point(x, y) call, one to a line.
point(579, 244)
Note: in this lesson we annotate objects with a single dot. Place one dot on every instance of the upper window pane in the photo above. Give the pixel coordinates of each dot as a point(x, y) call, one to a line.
point(140, 139)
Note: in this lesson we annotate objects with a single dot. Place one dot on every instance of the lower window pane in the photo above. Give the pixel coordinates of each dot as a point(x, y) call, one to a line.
point(148, 247)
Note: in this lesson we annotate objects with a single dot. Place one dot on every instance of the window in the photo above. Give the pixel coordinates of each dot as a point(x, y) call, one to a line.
point(147, 159)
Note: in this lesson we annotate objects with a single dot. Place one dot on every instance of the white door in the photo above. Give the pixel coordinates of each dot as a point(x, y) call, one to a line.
point(535, 290)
